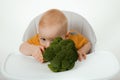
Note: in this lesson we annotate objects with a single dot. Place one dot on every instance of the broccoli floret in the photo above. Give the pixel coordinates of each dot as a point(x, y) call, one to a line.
point(61, 54)
point(49, 54)
point(56, 41)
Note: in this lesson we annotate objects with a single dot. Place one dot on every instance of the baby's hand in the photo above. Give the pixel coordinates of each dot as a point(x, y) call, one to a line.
point(37, 53)
point(81, 55)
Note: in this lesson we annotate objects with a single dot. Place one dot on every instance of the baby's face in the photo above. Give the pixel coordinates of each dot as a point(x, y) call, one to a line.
point(47, 35)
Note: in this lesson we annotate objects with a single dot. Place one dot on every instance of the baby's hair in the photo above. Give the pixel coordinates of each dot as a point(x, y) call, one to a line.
point(53, 17)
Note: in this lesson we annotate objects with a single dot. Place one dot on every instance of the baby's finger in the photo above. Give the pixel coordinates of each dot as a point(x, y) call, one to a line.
point(40, 57)
point(40, 60)
point(36, 57)
point(84, 56)
point(80, 57)
point(42, 49)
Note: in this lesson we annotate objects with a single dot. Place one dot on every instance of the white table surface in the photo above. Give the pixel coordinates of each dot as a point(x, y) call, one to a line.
point(98, 66)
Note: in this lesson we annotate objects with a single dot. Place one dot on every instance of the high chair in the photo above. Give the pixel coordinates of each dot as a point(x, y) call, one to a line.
point(99, 65)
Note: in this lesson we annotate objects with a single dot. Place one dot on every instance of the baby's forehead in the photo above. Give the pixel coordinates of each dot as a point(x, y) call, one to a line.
point(53, 31)
point(49, 36)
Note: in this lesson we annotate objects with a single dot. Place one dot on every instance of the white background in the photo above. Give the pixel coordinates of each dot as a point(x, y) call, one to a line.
point(103, 15)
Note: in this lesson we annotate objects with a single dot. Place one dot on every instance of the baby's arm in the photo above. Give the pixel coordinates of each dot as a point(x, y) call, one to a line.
point(32, 50)
point(84, 50)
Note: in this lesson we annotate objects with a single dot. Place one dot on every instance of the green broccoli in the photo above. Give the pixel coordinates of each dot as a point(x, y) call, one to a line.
point(61, 54)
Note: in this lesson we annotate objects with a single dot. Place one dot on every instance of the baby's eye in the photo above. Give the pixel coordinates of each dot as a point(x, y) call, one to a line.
point(43, 39)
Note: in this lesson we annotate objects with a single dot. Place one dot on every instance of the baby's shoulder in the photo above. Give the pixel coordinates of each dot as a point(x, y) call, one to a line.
point(74, 32)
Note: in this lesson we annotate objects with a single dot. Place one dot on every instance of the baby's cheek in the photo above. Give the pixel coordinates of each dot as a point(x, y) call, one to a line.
point(42, 43)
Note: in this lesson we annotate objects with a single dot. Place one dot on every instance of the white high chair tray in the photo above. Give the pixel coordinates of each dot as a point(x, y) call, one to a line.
point(98, 66)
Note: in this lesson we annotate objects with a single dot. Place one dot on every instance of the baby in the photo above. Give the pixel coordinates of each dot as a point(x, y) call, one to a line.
point(52, 24)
